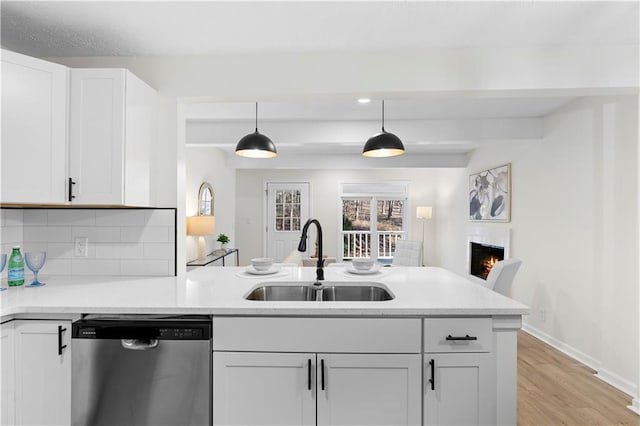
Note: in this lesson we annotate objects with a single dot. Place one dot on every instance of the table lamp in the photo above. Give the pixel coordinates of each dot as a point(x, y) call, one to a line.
point(423, 213)
point(200, 226)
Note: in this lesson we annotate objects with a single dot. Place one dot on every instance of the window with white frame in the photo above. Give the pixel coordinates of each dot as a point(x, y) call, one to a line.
point(373, 219)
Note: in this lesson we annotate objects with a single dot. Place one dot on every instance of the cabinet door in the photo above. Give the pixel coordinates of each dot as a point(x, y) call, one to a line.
point(463, 389)
point(7, 397)
point(34, 130)
point(96, 139)
point(43, 375)
point(369, 389)
point(263, 388)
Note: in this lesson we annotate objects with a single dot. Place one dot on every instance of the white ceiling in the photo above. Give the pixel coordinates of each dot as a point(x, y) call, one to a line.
point(130, 28)
point(150, 28)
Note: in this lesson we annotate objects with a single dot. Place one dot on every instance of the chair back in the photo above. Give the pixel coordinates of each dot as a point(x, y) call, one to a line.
point(501, 276)
point(407, 253)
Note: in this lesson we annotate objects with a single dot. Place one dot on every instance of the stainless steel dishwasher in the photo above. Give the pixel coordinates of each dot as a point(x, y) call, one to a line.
point(141, 370)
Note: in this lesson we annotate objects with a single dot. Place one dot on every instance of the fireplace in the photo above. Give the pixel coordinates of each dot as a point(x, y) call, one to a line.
point(486, 246)
point(483, 257)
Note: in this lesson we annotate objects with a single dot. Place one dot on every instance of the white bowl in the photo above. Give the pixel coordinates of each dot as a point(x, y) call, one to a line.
point(262, 263)
point(362, 263)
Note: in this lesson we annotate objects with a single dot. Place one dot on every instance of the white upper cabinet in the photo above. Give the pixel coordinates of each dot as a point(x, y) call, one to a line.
point(110, 138)
point(34, 130)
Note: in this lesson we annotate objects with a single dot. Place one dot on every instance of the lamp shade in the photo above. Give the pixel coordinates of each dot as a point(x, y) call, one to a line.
point(383, 144)
point(424, 212)
point(201, 225)
point(256, 145)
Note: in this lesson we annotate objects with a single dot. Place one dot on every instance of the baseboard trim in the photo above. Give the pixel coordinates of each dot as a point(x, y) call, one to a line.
point(606, 376)
point(635, 406)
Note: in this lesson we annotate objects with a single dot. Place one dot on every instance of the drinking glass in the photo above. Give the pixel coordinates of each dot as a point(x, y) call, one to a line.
point(35, 261)
point(3, 262)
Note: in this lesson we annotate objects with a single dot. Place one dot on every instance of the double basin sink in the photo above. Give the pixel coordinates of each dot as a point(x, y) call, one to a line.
point(310, 291)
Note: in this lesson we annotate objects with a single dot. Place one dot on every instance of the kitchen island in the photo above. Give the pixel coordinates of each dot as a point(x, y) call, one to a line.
point(442, 350)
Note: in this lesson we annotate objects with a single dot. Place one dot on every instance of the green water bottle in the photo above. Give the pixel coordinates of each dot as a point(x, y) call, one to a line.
point(16, 268)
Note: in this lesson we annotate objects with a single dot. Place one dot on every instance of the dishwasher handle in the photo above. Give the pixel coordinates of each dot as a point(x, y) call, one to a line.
point(139, 344)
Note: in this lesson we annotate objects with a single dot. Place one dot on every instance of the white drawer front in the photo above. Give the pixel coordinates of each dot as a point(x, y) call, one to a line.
point(356, 335)
point(458, 335)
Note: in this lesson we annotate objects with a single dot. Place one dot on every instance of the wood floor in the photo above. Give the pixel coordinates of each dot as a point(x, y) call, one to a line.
point(554, 389)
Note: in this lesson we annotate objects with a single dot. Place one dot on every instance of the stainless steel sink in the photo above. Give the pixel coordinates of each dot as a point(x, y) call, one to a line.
point(326, 291)
point(289, 293)
point(356, 293)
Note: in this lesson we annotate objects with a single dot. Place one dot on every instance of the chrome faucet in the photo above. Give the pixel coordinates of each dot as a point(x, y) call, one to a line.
point(303, 247)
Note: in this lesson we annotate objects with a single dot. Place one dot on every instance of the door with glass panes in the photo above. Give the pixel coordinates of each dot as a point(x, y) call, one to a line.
point(287, 211)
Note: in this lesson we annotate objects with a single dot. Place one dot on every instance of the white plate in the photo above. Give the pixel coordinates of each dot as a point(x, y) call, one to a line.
point(374, 270)
point(252, 271)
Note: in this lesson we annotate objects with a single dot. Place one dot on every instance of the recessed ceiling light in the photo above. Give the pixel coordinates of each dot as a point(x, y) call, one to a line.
point(364, 100)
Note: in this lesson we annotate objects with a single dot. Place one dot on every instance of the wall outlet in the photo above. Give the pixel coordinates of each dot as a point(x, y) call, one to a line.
point(81, 247)
point(543, 315)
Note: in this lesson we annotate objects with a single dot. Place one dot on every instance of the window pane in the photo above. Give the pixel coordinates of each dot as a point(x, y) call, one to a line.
point(390, 215)
point(356, 215)
point(278, 224)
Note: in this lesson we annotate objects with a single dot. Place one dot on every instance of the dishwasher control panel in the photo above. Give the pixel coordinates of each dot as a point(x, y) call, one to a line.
point(166, 329)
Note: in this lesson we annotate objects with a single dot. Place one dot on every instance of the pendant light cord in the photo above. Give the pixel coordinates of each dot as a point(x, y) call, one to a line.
point(383, 115)
point(256, 117)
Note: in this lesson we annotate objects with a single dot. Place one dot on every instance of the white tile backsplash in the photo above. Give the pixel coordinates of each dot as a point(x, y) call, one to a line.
point(71, 217)
point(149, 234)
point(47, 234)
point(121, 251)
point(121, 218)
point(95, 267)
point(35, 217)
point(160, 217)
point(97, 234)
point(121, 241)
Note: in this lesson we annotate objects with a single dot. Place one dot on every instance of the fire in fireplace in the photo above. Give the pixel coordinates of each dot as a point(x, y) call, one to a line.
point(483, 257)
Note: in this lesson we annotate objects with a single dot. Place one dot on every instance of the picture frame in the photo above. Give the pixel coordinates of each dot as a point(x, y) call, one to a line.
point(490, 195)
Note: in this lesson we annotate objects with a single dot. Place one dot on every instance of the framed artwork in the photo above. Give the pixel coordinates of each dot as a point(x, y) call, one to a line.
point(490, 195)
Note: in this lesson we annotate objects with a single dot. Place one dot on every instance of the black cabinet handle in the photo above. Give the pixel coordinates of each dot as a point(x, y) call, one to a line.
point(467, 337)
point(71, 196)
point(60, 345)
point(322, 373)
point(309, 374)
point(432, 380)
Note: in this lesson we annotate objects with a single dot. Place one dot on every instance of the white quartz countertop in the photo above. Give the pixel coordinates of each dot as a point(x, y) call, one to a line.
point(221, 291)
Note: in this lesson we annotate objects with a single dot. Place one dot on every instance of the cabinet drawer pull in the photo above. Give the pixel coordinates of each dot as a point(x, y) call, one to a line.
point(467, 337)
point(309, 374)
point(60, 345)
point(322, 373)
point(71, 196)
point(432, 380)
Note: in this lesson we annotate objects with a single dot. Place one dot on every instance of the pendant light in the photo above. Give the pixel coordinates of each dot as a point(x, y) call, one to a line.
point(383, 144)
point(256, 145)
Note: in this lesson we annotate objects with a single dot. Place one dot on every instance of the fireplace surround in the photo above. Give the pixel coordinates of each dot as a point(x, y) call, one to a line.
point(485, 246)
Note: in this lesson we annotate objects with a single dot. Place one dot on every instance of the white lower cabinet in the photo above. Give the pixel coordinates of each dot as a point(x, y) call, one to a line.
point(459, 389)
point(368, 389)
point(459, 372)
point(7, 378)
point(317, 371)
point(285, 389)
point(262, 389)
point(42, 372)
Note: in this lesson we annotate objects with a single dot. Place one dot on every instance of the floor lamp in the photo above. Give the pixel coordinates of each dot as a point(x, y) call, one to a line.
point(423, 213)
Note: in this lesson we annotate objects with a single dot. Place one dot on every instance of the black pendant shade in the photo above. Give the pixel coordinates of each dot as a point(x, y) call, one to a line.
point(383, 144)
point(256, 145)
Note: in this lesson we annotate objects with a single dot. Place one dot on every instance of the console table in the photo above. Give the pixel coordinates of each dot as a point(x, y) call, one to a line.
point(210, 258)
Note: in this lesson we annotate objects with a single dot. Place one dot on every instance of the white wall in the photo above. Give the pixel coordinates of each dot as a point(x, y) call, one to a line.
point(205, 164)
point(325, 203)
point(574, 225)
